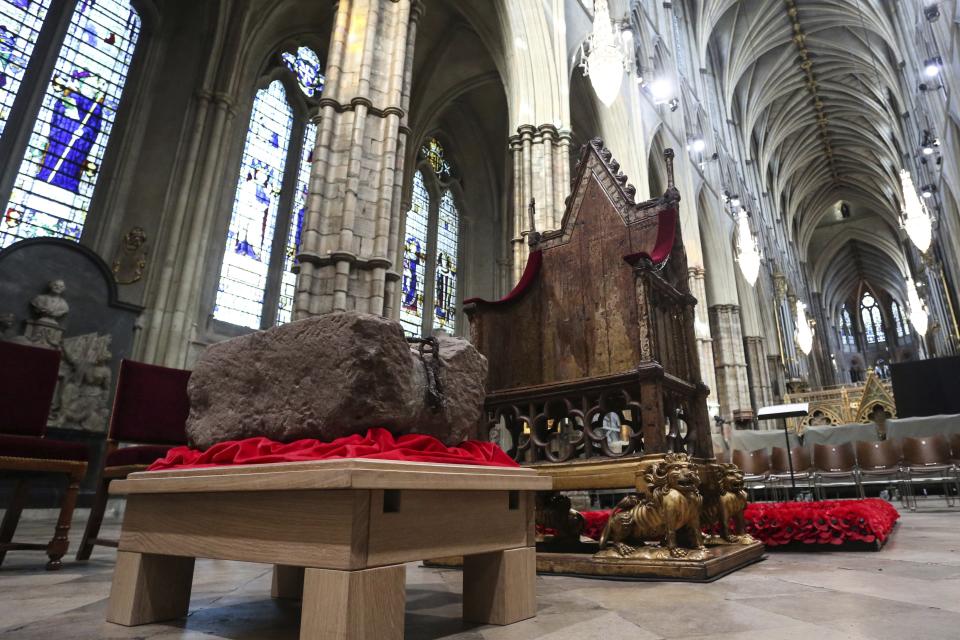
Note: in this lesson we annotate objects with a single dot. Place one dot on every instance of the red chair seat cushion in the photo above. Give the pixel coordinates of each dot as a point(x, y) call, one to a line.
point(141, 454)
point(42, 448)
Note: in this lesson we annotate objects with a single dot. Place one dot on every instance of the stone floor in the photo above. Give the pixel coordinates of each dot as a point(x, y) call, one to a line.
point(911, 589)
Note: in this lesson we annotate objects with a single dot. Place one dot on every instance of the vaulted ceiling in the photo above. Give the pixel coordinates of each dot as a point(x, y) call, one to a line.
point(812, 84)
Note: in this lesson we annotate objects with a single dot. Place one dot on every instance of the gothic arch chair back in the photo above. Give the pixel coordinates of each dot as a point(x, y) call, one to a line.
point(592, 357)
point(150, 409)
point(28, 380)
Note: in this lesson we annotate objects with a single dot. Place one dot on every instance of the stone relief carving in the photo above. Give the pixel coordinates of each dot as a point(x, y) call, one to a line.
point(81, 400)
point(49, 309)
point(131, 260)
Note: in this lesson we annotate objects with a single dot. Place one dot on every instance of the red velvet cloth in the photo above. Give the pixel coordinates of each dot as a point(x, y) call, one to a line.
point(833, 522)
point(530, 273)
point(378, 444)
point(666, 230)
point(151, 404)
point(28, 377)
point(39, 448)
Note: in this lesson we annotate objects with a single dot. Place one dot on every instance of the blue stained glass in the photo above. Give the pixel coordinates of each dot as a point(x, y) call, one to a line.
point(846, 327)
point(20, 22)
point(872, 320)
point(243, 276)
point(415, 258)
point(60, 169)
point(288, 285)
point(445, 293)
point(898, 319)
point(305, 64)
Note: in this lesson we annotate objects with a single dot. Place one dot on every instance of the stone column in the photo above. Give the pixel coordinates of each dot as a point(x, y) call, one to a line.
point(758, 373)
point(541, 172)
point(733, 390)
point(704, 341)
point(349, 253)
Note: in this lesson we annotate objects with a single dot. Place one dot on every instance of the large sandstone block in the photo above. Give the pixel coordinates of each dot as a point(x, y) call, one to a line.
point(331, 376)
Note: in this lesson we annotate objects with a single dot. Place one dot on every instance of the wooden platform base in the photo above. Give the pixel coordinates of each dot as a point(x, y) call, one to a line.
point(713, 563)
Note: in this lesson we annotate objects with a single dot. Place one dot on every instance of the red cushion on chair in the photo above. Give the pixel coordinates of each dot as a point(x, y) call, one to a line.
point(28, 377)
point(151, 404)
point(140, 454)
point(42, 448)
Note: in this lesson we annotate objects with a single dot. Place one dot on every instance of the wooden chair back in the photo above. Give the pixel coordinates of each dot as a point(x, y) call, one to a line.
point(834, 457)
point(752, 463)
point(926, 451)
point(28, 380)
point(781, 464)
point(878, 456)
point(955, 444)
point(151, 404)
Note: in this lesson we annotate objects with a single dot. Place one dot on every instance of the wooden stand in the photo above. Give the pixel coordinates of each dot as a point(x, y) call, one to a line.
point(338, 533)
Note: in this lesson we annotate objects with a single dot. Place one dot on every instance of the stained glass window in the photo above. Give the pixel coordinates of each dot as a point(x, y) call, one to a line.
point(433, 152)
point(243, 276)
point(415, 258)
point(305, 64)
point(898, 319)
point(58, 174)
point(846, 329)
point(20, 22)
point(445, 293)
point(872, 319)
point(288, 284)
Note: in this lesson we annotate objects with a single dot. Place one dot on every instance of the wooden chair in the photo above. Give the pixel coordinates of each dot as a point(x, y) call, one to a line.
point(756, 469)
point(150, 409)
point(835, 465)
point(879, 463)
point(780, 467)
point(955, 447)
point(927, 459)
point(28, 379)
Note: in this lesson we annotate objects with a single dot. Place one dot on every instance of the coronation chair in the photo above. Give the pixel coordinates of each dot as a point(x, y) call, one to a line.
point(28, 379)
point(780, 467)
point(150, 409)
point(756, 469)
point(927, 459)
point(879, 463)
point(834, 465)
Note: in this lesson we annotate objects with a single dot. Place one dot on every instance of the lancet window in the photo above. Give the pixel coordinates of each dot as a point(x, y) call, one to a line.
point(898, 320)
point(847, 339)
point(60, 167)
point(872, 319)
point(429, 299)
point(258, 273)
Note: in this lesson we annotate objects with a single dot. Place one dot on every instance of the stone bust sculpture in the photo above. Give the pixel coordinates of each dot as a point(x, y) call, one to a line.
point(51, 306)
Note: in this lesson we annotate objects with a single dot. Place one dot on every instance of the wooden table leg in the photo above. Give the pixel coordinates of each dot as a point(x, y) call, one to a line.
point(500, 587)
point(149, 588)
point(353, 605)
point(287, 582)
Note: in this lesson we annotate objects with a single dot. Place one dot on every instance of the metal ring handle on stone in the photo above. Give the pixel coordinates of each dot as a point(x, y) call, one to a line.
point(430, 346)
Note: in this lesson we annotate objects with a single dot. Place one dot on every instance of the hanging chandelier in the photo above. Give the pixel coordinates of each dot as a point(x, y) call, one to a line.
point(916, 219)
point(603, 61)
point(748, 255)
point(804, 332)
point(915, 308)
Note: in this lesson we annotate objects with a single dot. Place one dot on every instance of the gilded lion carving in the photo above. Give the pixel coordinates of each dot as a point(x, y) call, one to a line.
point(724, 500)
point(670, 513)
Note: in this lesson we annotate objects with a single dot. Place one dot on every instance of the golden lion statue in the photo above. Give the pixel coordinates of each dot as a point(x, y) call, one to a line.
point(725, 499)
point(672, 507)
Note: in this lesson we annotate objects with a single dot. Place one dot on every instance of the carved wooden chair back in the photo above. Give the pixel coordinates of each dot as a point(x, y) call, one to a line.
point(878, 456)
point(28, 379)
point(835, 458)
point(752, 463)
